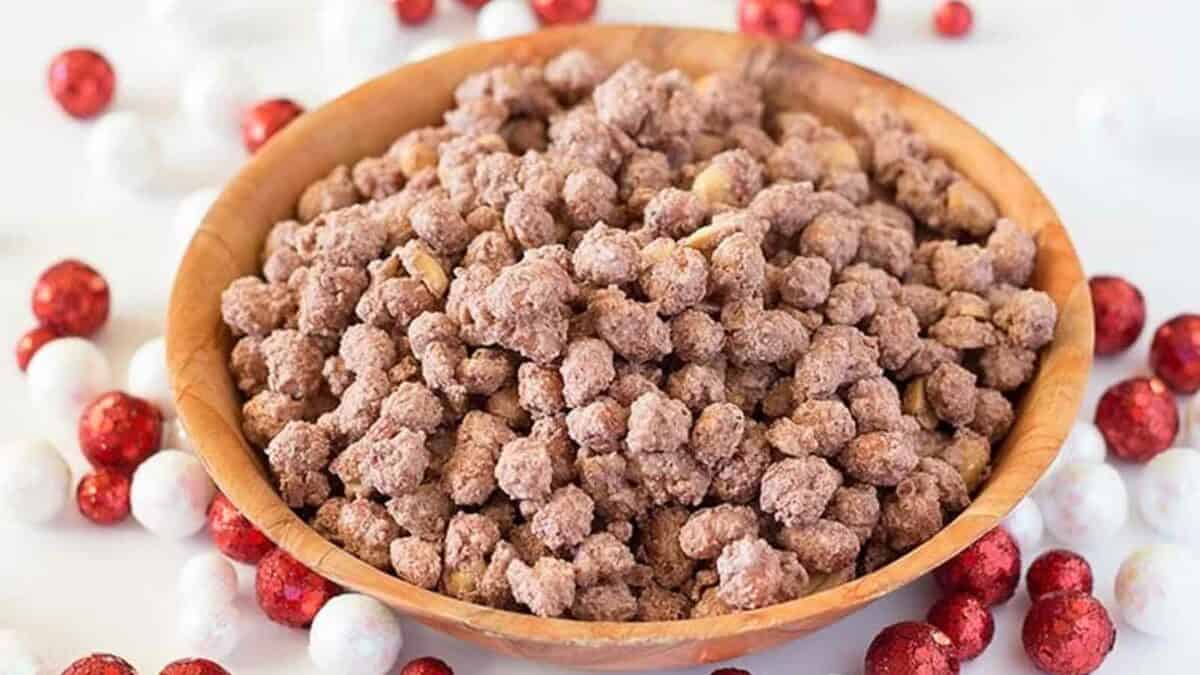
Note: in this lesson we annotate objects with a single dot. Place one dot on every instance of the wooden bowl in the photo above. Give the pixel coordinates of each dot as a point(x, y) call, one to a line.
point(365, 121)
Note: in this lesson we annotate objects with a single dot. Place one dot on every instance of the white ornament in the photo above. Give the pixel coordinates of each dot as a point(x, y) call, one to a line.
point(148, 377)
point(355, 635)
point(175, 435)
point(209, 629)
point(123, 150)
point(1157, 587)
point(849, 46)
point(34, 482)
point(64, 376)
point(1025, 524)
point(429, 49)
point(1084, 504)
point(17, 657)
point(1168, 493)
point(170, 494)
point(1085, 443)
point(207, 578)
point(188, 216)
point(1192, 433)
point(216, 93)
point(362, 40)
point(505, 18)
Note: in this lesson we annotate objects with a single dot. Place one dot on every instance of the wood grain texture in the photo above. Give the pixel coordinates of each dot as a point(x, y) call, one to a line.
point(365, 121)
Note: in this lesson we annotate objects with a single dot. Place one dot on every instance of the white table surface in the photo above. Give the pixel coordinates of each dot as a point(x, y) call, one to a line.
point(75, 588)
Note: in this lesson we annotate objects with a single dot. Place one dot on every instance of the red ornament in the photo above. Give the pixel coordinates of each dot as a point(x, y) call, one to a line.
point(552, 12)
point(31, 342)
point(71, 298)
point(1138, 418)
point(288, 592)
point(989, 569)
point(953, 19)
point(426, 666)
point(193, 667)
point(1068, 633)
point(82, 81)
point(911, 648)
point(119, 431)
point(966, 621)
point(100, 664)
point(778, 19)
point(234, 534)
point(413, 12)
point(1057, 571)
point(855, 15)
point(472, 4)
point(103, 496)
point(1175, 353)
point(1120, 313)
point(265, 119)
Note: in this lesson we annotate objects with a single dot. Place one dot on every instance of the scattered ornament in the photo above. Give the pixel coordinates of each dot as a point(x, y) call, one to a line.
point(234, 534)
point(966, 621)
point(362, 40)
point(1084, 443)
point(1120, 314)
point(100, 664)
point(103, 496)
point(193, 667)
point(175, 435)
point(148, 378)
point(34, 482)
point(989, 569)
point(1175, 353)
point(355, 635)
point(32, 341)
point(554, 12)
point(123, 150)
point(170, 494)
point(1085, 504)
point(505, 18)
point(413, 12)
point(953, 19)
point(265, 119)
point(207, 578)
point(1156, 588)
point(1056, 571)
point(210, 629)
point(429, 48)
point(1025, 524)
point(778, 19)
point(911, 648)
point(426, 665)
point(855, 15)
point(18, 657)
point(82, 81)
point(1138, 418)
point(1168, 493)
point(216, 93)
point(72, 298)
point(119, 431)
point(1068, 633)
point(849, 46)
point(288, 592)
point(63, 377)
point(188, 217)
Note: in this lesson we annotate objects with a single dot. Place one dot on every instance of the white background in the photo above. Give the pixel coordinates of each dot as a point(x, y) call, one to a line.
point(1128, 201)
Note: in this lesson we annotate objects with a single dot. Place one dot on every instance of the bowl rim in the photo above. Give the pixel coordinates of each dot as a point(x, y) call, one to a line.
point(190, 340)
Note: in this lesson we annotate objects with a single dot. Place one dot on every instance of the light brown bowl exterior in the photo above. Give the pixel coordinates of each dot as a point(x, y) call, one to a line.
point(365, 121)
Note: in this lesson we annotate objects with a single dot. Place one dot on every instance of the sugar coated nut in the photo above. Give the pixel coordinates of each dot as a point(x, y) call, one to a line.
point(1084, 504)
point(1156, 587)
point(148, 378)
point(124, 150)
point(210, 629)
point(34, 482)
point(19, 656)
point(1025, 524)
point(207, 577)
point(1168, 494)
point(171, 493)
point(355, 635)
point(63, 377)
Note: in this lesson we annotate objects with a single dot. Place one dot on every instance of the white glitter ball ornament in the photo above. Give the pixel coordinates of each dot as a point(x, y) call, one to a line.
point(207, 578)
point(124, 150)
point(216, 92)
point(1025, 524)
point(1192, 433)
point(35, 482)
point(170, 494)
point(1157, 587)
point(355, 635)
point(17, 657)
point(1085, 443)
point(64, 376)
point(505, 18)
point(1084, 504)
point(209, 629)
point(429, 48)
point(1168, 493)
point(148, 377)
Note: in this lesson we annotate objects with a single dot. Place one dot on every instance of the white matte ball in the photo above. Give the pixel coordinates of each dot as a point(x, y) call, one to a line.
point(1025, 524)
point(1168, 493)
point(64, 376)
point(17, 657)
point(1192, 432)
point(355, 635)
point(124, 150)
point(211, 630)
point(363, 39)
point(1157, 587)
point(429, 48)
point(35, 482)
point(505, 18)
point(1085, 443)
point(170, 494)
point(216, 92)
point(1084, 504)
point(207, 578)
point(148, 377)
point(188, 216)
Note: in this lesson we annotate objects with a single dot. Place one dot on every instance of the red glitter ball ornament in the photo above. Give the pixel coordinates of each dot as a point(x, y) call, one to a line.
point(72, 298)
point(288, 592)
point(82, 81)
point(31, 342)
point(1138, 418)
point(1175, 353)
point(265, 119)
point(234, 534)
point(103, 496)
point(473, 4)
point(966, 621)
point(413, 12)
point(193, 667)
point(855, 15)
point(1120, 313)
point(778, 19)
point(426, 665)
point(100, 664)
point(1068, 633)
point(989, 569)
point(953, 19)
point(119, 431)
point(730, 671)
point(1057, 571)
point(552, 12)
point(911, 648)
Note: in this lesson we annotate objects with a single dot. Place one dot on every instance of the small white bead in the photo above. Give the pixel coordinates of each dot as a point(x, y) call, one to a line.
point(216, 92)
point(1192, 433)
point(64, 376)
point(123, 150)
point(1168, 493)
point(1157, 589)
point(17, 657)
point(148, 377)
point(1025, 524)
point(429, 48)
point(175, 435)
point(1085, 443)
point(211, 630)
point(170, 494)
point(355, 635)
point(35, 482)
point(505, 18)
point(1084, 504)
point(188, 216)
point(207, 578)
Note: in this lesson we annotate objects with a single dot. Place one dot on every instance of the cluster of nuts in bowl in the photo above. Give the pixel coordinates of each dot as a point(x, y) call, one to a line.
point(617, 345)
